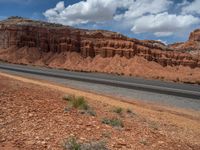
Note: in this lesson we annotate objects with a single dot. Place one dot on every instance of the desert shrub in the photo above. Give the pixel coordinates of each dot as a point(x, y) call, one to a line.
point(72, 144)
point(94, 145)
point(113, 122)
point(76, 102)
point(80, 103)
point(118, 110)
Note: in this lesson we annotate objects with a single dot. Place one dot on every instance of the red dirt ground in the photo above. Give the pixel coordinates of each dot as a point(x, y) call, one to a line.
point(32, 117)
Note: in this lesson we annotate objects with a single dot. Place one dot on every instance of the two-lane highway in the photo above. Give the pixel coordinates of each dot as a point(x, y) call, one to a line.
point(167, 92)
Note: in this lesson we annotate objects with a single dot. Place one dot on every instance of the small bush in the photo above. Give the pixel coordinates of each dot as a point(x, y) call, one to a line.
point(76, 102)
point(72, 144)
point(118, 110)
point(80, 103)
point(113, 122)
point(95, 145)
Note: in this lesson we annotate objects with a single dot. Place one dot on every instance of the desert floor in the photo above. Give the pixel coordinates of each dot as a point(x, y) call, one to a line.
point(33, 115)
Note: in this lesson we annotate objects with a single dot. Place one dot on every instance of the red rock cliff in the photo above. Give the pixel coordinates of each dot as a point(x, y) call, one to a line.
point(19, 32)
point(191, 46)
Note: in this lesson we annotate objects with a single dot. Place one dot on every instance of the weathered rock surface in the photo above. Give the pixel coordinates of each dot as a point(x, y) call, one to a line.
point(191, 46)
point(52, 38)
point(25, 41)
point(195, 35)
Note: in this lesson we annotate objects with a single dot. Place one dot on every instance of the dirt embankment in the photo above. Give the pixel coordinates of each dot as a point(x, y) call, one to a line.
point(33, 116)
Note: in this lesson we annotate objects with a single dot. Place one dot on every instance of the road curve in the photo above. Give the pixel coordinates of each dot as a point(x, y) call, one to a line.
point(156, 86)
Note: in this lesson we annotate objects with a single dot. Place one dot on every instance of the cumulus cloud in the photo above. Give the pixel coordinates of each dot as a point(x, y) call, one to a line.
point(141, 7)
point(163, 27)
point(140, 16)
point(84, 11)
point(192, 8)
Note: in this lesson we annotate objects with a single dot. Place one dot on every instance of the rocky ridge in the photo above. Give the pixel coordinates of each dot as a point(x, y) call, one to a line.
point(46, 37)
point(25, 41)
point(191, 46)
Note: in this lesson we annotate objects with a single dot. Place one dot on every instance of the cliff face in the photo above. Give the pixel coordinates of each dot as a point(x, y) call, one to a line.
point(192, 46)
point(195, 35)
point(45, 37)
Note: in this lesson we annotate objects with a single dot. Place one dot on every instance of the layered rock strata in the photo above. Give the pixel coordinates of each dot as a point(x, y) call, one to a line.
point(53, 38)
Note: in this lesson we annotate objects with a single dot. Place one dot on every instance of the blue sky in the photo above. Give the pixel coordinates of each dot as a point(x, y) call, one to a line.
point(166, 20)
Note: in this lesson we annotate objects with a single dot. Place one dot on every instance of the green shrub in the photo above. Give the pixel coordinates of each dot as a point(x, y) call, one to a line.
point(72, 144)
point(80, 103)
point(113, 122)
point(76, 102)
point(118, 110)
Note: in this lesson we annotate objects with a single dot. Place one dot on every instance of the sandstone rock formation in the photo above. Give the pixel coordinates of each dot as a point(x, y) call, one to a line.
point(19, 32)
point(40, 43)
point(191, 46)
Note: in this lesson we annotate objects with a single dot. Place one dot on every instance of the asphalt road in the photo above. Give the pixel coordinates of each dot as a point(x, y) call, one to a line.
point(183, 95)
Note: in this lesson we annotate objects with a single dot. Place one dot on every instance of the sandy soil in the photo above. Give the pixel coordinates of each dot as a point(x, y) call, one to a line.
point(32, 116)
point(137, 66)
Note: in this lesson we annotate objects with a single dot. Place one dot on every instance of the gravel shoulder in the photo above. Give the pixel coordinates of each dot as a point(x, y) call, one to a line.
point(33, 116)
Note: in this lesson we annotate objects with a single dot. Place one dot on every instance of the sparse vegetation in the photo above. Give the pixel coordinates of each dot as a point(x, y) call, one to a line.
point(73, 144)
point(78, 103)
point(113, 122)
point(118, 110)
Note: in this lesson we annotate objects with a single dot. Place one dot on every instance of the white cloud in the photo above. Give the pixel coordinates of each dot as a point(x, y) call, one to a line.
point(84, 11)
point(192, 8)
point(141, 7)
point(183, 3)
point(140, 16)
point(163, 24)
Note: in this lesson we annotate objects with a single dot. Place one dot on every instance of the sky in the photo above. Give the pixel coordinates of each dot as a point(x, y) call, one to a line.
point(166, 20)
